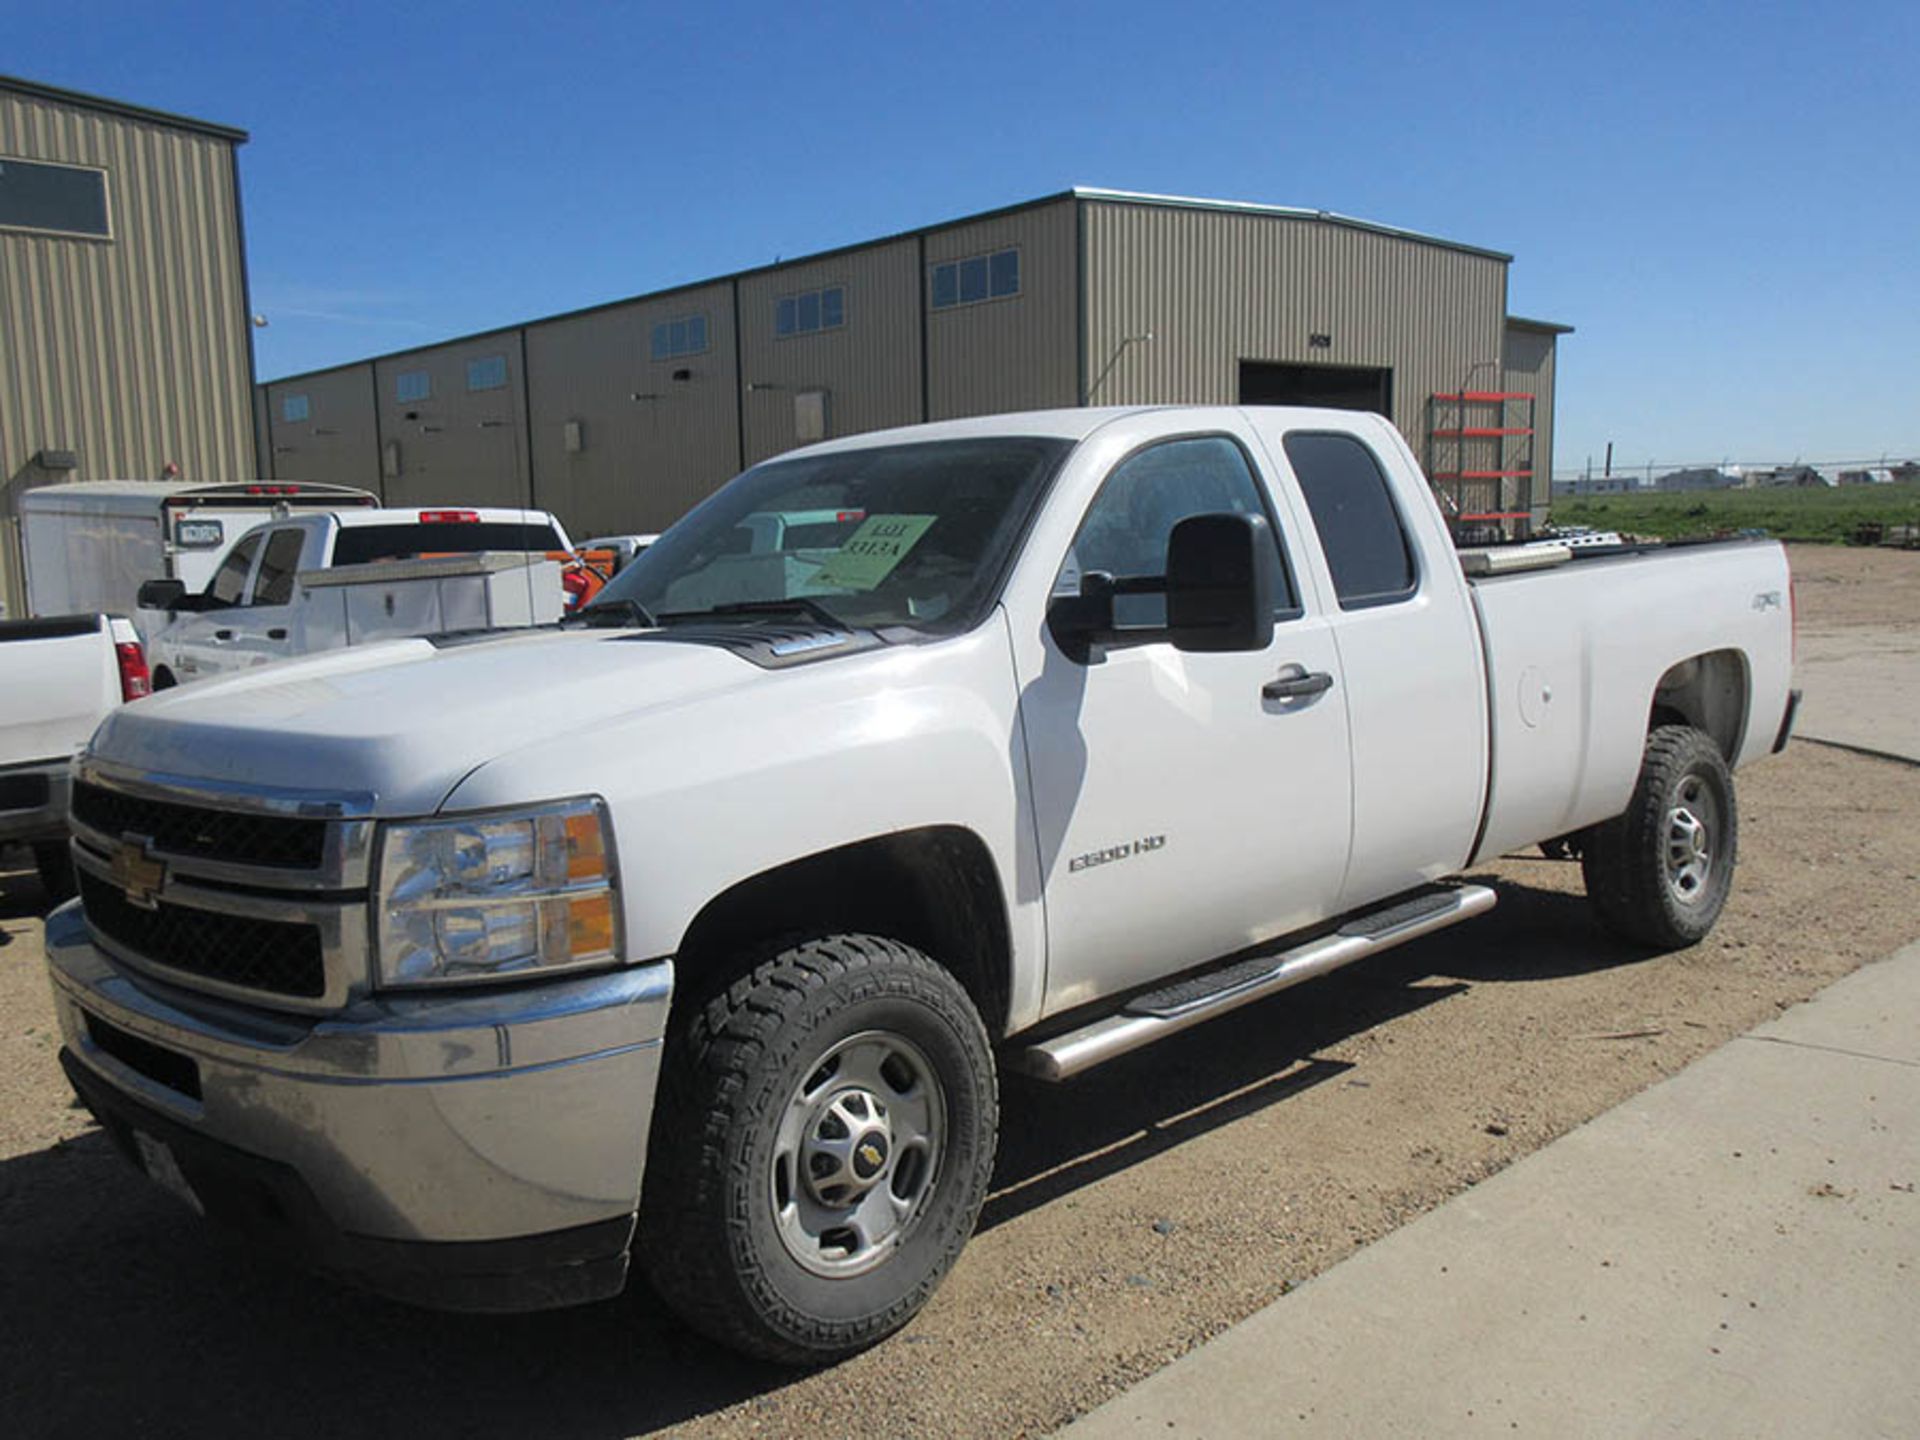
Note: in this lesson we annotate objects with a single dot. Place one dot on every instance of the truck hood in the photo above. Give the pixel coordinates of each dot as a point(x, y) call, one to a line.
point(403, 722)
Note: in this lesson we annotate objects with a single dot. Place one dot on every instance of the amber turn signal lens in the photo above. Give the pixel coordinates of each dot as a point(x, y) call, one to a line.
point(590, 926)
point(586, 848)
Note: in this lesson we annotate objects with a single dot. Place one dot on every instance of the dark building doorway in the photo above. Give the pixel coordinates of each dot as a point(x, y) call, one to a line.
point(1338, 387)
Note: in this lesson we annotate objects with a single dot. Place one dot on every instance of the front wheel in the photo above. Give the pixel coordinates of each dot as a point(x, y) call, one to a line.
point(821, 1145)
point(1659, 872)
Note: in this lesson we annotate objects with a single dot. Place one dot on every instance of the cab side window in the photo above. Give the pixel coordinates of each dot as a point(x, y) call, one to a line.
point(274, 584)
point(1127, 527)
point(1360, 528)
point(229, 582)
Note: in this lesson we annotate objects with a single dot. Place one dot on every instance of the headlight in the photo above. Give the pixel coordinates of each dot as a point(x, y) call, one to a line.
point(496, 896)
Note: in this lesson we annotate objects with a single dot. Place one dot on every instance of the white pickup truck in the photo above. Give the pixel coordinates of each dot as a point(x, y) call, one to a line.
point(58, 677)
point(305, 583)
point(1072, 730)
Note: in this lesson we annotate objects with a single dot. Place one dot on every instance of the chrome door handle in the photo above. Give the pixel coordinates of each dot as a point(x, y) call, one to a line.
point(1297, 687)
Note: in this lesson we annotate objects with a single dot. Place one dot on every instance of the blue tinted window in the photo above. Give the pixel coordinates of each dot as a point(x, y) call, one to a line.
point(1006, 273)
point(685, 336)
point(412, 385)
point(487, 374)
point(677, 337)
point(696, 334)
point(293, 408)
point(784, 317)
point(946, 286)
point(64, 199)
point(810, 310)
point(833, 304)
point(662, 343)
point(973, 279)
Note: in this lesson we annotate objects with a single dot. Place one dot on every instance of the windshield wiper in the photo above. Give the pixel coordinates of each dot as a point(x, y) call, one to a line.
point(798, 605)
point(603, 612)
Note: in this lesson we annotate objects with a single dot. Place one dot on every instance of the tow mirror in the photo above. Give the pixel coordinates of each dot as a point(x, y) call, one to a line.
point(1079, 622)
point(160, 594)
point(1222, 574)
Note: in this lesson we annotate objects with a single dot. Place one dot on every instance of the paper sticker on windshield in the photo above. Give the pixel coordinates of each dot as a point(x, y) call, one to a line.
point(871, 552)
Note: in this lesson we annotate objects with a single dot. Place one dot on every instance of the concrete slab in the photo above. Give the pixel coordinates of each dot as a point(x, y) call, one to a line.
point(1862, 688)
point(1734, 1252)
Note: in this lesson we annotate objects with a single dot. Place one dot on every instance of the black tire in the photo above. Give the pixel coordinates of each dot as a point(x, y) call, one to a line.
point(55, 863)
point(721, 1236)
point(163, 679)
point(1643, 871)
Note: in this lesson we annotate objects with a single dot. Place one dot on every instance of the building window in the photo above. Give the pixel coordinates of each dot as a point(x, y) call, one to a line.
point(976, 278)
point(810, 311)
point(487, 374)
point(54, 199)
point(412, 385)
point(685, 336)
point(294, 408)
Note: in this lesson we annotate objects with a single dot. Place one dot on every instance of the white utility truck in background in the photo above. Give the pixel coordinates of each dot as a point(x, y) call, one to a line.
point(697, 928)
point(59, 676)
point(305, 583)
point(89, 546)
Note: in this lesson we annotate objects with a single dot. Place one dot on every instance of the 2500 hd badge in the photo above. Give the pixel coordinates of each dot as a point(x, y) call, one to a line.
point(1112, 853)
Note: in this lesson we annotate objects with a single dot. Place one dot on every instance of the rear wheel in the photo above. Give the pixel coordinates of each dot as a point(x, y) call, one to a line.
point(822, 1141)
point(1659, 873)
point(163, 679)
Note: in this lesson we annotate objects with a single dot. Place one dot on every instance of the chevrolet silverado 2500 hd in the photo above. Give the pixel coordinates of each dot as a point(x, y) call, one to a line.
point(1072, 730)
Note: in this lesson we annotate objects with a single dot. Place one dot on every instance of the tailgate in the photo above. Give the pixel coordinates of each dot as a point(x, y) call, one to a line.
point(58, 678)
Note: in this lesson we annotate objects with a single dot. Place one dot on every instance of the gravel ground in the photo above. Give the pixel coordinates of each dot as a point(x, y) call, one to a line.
point(1135, 1212)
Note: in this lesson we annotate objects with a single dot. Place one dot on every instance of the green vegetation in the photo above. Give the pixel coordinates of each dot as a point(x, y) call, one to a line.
point(1821, 515)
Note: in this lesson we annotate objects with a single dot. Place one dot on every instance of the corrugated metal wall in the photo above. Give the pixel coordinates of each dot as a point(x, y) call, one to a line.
point(869, 366)
point(1018, 353)
point(1528, 370)
point(650, 446)
point(1216, 288)
point(456, 445)
point(337, 444)
point(131, 352)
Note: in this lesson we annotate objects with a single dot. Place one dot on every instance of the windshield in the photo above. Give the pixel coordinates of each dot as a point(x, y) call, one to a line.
point(911, 535)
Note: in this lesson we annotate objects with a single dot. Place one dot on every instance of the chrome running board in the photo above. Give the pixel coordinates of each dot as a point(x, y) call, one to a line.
point(1186, 1003)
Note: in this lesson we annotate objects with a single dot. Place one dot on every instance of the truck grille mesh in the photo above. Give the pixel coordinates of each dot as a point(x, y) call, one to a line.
point(278, 956)
point(279, 842)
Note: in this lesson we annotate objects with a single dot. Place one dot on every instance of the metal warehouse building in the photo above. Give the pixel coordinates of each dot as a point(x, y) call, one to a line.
point(123, 299)
point(623, 416)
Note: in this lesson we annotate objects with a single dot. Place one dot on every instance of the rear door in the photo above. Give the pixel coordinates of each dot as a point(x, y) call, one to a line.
point(263, 628)
point(1182, 812)
point(1409, 648)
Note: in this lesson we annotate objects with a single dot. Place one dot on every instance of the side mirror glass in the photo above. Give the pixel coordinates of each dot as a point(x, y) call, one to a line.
point(160, 594)
point(1222, 575)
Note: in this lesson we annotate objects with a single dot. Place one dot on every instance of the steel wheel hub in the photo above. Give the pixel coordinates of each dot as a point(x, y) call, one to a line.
point(855, 1153)
point(1690, 827)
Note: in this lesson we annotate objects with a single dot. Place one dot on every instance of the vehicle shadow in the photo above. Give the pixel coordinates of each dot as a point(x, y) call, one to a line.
point(21, 894)
point(123, 1311)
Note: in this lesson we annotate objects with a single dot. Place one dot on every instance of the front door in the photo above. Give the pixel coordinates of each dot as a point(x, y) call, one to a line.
point(1182, 813)
point(202, 642)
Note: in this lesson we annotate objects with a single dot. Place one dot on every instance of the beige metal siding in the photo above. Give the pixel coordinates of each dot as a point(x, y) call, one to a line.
point(1017, 353)
point(1529, 370)
point(869, 367)
point(650, 446)
point(336, 444)
point(457, 446)
point(132, 351)
point(1217, 288)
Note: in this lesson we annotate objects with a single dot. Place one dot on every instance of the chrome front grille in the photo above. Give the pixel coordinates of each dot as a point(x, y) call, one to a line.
point(249, 894)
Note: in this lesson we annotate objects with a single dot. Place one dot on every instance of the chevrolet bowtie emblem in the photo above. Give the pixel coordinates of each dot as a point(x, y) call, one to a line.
point(138, 873)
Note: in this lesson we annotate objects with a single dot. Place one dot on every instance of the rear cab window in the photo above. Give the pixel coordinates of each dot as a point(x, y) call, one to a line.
point(363, 544)
point(1361, 530)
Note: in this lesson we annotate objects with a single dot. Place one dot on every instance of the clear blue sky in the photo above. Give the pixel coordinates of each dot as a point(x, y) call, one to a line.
point(1723, 198)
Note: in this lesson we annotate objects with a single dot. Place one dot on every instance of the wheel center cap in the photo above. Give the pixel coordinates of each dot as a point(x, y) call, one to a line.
point(870, 1154)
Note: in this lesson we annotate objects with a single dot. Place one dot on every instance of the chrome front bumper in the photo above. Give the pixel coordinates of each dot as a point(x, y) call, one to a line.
point(476, 1136)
